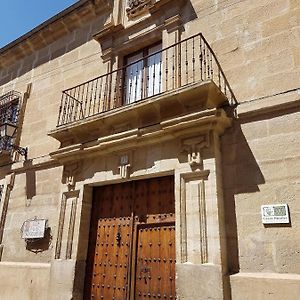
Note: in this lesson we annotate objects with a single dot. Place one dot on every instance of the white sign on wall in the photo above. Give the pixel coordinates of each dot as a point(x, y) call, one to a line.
point(275, 214)
point(34, 229)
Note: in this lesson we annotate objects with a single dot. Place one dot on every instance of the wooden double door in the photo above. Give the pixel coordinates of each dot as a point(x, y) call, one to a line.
point(131, 251)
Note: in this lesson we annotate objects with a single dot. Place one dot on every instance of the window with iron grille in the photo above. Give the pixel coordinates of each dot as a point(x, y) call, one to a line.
point(10, 104)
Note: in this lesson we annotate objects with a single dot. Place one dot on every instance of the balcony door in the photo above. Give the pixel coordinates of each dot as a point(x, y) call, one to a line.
point(143, 74)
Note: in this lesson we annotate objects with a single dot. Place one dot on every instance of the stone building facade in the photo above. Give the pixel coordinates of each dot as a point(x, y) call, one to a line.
point(155, 130)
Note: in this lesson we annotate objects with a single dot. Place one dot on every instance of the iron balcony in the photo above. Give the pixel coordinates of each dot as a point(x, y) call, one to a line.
point(183, 64)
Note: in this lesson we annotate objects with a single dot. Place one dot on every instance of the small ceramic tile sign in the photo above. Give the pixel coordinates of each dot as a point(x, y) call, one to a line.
point(34, 229)
point(275, 214)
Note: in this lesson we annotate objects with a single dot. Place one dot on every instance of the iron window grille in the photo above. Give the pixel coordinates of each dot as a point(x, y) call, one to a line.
point(10, 105)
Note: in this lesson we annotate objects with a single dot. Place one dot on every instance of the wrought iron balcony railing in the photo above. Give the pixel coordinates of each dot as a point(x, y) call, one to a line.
point(184, 63)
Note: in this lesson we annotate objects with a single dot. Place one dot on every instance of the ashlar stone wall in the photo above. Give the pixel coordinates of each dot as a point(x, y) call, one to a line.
point(258, 46)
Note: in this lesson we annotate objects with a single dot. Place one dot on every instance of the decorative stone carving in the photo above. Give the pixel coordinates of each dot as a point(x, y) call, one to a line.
point(192, 147)
point(70, 172)
point(136, 7)
point(124, 166)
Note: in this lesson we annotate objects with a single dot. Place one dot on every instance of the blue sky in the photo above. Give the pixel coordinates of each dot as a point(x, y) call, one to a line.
point(20, 16)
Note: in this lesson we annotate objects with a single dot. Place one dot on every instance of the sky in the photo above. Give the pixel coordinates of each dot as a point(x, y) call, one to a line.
point(20, 16)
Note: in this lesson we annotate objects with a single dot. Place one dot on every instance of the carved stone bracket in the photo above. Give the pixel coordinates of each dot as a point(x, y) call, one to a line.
point(69, 175)
point(124, 165)
point(137, 7)
point(192, 147)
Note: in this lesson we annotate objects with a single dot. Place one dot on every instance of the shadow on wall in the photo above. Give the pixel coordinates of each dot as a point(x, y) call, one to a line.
point(188, 13)
point(40, 245)
point(241, 174)
point(30, 182)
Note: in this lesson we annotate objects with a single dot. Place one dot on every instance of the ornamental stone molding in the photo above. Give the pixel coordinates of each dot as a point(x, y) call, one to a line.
point(192, 147)
point(69, 175)
point(124, 165)
point(137, 7)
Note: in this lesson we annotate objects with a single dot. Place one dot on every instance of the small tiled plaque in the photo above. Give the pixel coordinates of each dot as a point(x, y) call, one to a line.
point(275, 214)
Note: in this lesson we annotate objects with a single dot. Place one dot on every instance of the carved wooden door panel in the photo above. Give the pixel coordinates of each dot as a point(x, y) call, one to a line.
point(154, 255)
point(109, 244)
point(155, 262)
point(131, 251)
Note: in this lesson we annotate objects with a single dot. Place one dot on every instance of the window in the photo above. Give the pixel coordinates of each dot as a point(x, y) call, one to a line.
point(143, 74)
point(9, 113)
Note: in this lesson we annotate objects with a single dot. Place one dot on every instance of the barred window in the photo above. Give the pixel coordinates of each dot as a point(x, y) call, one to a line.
point(10, 104)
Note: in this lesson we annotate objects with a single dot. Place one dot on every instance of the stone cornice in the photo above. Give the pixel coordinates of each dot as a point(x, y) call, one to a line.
point(204, 121)
point(51, 30)
point(286, 104)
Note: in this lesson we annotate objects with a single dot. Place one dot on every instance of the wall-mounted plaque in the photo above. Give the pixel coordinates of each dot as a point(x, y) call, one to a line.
point(34, 229)
point(275, 214)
